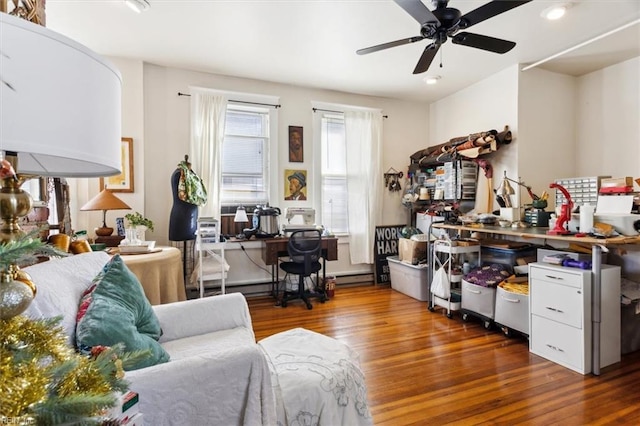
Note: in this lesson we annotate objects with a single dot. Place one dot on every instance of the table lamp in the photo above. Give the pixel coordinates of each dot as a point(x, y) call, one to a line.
point(104, 201)
point(60, 109)
point(505, 191)
point(60, 112)
point(241, 215)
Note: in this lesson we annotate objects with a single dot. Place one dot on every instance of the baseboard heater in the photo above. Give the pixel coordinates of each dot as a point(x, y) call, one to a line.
point(265, 287)
point(354, 279)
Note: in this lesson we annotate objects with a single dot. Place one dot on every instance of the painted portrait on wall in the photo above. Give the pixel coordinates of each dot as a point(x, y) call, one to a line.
point(295, 185)
point(296, 146)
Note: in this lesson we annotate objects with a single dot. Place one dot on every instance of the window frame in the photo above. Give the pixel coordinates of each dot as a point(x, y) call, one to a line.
point(263, 106)
point(230, 197)
point(322, 204)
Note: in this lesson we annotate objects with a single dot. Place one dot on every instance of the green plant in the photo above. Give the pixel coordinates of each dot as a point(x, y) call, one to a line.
point(136, 219)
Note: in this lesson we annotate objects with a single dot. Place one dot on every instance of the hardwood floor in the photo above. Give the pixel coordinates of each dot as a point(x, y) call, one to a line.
point(423, 368)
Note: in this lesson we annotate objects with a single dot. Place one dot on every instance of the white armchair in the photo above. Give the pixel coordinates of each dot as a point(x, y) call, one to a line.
point(217, 373)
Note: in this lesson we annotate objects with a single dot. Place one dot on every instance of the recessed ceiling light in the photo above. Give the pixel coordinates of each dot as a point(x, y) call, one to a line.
point(432, 79)
point(556, 11)
point(138, 6)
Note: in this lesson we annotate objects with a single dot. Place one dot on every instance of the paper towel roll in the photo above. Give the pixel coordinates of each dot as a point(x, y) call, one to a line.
point(586, 218)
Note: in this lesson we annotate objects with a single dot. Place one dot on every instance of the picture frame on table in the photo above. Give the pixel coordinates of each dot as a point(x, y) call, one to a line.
point(124, 181)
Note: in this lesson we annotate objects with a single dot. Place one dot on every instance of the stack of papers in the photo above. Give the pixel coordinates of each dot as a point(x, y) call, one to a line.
point(145, 247)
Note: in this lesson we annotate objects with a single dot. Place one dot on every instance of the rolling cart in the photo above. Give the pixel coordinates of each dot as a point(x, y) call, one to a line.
point(447, 255)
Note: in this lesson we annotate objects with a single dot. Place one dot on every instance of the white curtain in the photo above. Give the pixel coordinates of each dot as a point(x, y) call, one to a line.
point(363, 137)
point(208, 113)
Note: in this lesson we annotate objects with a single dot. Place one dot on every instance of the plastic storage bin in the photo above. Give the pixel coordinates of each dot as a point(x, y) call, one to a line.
point(507, 256)
point(409, 279)
point(478, 301)
point(451, 304)
point(512, 311)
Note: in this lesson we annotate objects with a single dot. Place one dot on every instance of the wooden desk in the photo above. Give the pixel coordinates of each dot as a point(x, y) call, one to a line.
point(160, 274)
point(274, 248)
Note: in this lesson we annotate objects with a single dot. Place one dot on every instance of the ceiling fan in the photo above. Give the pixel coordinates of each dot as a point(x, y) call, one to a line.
point(444, 22)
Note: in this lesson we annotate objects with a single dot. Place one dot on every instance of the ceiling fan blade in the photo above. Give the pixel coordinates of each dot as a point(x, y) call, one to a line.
point(427, 57)
point(492, 44)
point(388, 45)
point(489, 10)
point(419, 11)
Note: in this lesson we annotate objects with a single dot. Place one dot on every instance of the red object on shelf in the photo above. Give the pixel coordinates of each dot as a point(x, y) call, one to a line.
point(565, 212)
point(616, 190)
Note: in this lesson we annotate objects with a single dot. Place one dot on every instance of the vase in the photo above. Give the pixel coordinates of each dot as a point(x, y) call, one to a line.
point(140, 233)
point(131, 238)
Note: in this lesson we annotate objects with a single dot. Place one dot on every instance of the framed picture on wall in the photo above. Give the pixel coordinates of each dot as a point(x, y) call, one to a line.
point(124, 181)
point(295, 185)
point(296, 146)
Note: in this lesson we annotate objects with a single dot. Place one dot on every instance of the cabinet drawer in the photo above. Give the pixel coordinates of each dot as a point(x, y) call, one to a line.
point(556, 275)
point(558, 343)
point(557, 302)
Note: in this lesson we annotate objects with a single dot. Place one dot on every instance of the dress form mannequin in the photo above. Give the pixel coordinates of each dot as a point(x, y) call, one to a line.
point(183, 221)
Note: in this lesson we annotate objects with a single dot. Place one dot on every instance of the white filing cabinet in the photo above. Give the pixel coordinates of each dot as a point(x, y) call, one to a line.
point(561, 313)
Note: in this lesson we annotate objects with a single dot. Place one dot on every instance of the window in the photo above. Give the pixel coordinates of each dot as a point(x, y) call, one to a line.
point(334, 174)
point(245, 156)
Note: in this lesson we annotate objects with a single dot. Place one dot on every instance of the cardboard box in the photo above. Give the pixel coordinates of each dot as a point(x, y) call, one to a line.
point(126, 406)
point(410, 251)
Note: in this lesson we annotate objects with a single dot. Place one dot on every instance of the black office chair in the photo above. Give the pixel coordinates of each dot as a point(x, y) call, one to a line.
point(305, 249)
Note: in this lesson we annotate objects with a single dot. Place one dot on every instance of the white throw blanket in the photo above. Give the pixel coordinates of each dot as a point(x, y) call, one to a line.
point(316, 379)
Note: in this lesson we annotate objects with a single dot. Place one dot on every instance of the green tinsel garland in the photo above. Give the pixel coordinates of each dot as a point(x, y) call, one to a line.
point(43, 381)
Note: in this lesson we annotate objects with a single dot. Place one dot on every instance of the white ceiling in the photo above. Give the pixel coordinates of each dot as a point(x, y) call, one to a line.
point(313, 42)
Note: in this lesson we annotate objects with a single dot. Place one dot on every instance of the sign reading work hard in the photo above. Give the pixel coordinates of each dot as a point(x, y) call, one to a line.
point(385, 244)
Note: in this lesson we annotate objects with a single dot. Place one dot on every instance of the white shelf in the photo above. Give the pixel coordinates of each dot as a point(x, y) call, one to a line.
point(210, 248)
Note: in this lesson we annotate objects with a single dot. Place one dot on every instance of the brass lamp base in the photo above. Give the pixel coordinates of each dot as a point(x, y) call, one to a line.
point(15, 203)
point(104, 231)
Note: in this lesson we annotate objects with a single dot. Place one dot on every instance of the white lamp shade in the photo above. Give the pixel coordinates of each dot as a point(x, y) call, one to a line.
point(241, 215)
point(60, 103)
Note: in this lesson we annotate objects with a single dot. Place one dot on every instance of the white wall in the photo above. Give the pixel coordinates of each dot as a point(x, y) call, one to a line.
point(608, 125)
point(83, 190)
point(166, 131)
point(563, 126)
point(546, 129)
point(489, 104)
point(608, 135)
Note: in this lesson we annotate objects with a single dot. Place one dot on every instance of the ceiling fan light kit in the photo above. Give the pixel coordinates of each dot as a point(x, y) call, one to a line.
point(444, 22)
point(138, 6)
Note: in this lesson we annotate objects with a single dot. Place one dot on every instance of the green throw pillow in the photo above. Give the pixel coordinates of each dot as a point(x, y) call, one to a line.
point(113, 310)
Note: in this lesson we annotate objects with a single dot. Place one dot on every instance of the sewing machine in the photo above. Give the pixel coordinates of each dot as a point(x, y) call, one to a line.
point(308, 219)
